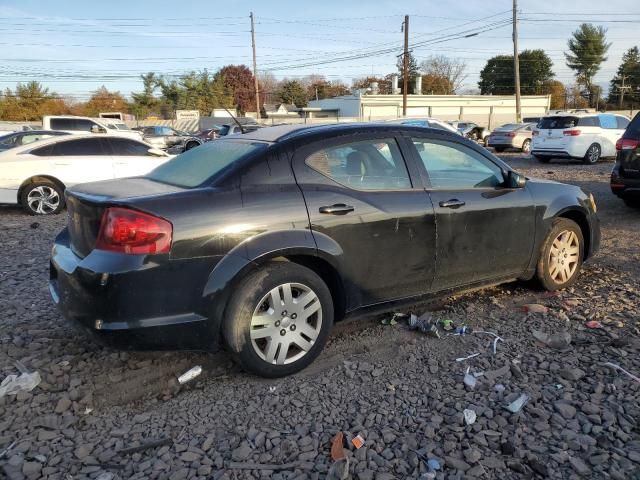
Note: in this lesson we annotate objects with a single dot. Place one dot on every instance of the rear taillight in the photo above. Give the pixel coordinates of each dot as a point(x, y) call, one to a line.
point(627, 144)
point(534, 133)
point(511, 134)
point(571, 133)
point(129, 231)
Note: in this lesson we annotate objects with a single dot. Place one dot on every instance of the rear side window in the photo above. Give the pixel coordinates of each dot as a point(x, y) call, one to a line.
point(558, 123)
point(633, 129)
point(43, 151)
point(122, 146)
point(196, 166)
point(608, 121)
point(80, 147)
point(364, 165)
point(622, 123)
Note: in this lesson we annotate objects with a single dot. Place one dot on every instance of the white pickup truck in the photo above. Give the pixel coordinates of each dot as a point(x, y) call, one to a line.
point(74, 124)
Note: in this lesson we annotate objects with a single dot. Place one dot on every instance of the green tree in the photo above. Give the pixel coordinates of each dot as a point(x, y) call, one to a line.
point(292, 91)
point(587, 51)
point(145, 102)
point(319, 87)
point(102, 100)
point(412, 69)
point(497, 77)
point(630, 70)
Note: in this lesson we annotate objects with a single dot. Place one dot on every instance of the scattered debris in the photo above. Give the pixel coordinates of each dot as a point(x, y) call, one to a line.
point(499, 387)
point(557, 341)
point(393, 320)
point(518, 403)
point(469, 379)
point(534, 308)
point(425, 324)
point(463, 330)
point(146, 446)
point(6, 450)
point(190, 374)
point(272, 389)
point(339, 470)
point(434, 464)
point(618, 367)
point(447, 324)
point(495, 342)
point(358, 441)
point(462, 359)
point(35, 225)
point(337, 448)
point(593, 324)
point(469, 416)
point(26, 382)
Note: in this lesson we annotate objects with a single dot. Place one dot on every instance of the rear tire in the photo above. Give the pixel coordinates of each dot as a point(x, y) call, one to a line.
point(592, 155)
point(266, 327)
point(561, 255)
point(526, 146)
point(42, 197)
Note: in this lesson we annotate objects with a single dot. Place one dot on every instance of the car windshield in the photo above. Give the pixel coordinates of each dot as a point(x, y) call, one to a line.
point(555, 123)
point(196, 166)
point(121, 126)
point(633, 129)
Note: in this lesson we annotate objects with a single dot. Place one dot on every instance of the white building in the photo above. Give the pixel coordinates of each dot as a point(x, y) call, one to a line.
point(488, 110)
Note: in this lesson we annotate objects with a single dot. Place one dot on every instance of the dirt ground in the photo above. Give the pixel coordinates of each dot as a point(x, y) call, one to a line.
point(402, 391)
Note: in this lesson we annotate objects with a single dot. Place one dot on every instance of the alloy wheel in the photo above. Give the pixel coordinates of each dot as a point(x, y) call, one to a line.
point(286, 323)
point(43, 200)
point(593, 154)
point(564, 256)
point(526, 146)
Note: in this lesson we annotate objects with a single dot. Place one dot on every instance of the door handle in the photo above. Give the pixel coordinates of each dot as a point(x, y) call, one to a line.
point(336, 209)
point(453, 203)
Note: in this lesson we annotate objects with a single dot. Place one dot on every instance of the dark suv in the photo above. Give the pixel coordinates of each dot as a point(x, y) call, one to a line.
point(261, 241)
point(625, 177)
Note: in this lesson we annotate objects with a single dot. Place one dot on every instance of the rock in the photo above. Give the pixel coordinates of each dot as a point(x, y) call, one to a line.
point(31, 469)
point(634, 455)
point(572, 374)
point(534, 308)
point(507, 448)
point(538, 467)
point(457, 463)
point(567, 411)
point(63, 405)
point(472, 455)
point(82, 451)
point(242, 453)
point(189, 457)
point(579, 466)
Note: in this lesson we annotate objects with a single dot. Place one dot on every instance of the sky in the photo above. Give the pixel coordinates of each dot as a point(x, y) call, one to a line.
point(74, 47)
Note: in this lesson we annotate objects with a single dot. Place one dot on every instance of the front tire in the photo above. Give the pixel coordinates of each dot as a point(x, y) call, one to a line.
point(561, 255)
point(42, 198)
point(526, 146)
point(592, 155)
point(190, 145)
point(278, 319)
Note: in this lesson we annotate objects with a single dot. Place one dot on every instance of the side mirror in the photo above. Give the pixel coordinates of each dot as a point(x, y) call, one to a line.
point(97, 129)
point(515, 180)
point(156, 152)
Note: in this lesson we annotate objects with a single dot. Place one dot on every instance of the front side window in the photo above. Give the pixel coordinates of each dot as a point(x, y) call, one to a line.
point(194, 167)
point(452, 166)
point(26, 139)
point(363, 165)
point(125, 147)
point(80, 147)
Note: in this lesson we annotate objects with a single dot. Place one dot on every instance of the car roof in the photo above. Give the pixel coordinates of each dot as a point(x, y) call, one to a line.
point(37, 132)
point(64, 138)
point(286, 132)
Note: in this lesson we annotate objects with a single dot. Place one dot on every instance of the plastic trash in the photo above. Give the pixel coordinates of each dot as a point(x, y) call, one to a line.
point(434, 464)
point(425, 324)
point(469, 379)
point(190, 374)
point(469, 416)
point(518, 403)
point(462, 359)
point(463, 330)
point(447, 324)
point(499, 388)
point(557, 341)
point(23, 383)
point(357, 441)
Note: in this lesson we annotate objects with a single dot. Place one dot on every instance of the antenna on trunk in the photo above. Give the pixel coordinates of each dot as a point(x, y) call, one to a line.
point(234, 119)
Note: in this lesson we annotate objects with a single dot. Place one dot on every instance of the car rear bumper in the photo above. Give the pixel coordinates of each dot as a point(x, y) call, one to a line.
point(624, 186)
point(129, 302)
point(501, 144)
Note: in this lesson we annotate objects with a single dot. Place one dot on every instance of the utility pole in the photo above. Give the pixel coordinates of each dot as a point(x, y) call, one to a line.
point(621, 89)
point(255, 69)
point(516, 61)
point(405, 65)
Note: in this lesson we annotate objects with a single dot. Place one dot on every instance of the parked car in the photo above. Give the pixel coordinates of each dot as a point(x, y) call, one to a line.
point(625, 177)
point(579, 135)
point(208, 134)
point(427, 123)
point(262, 241)
point(75, 124)
point(169, 138)
point(36, 175)
point(17, 139)
point(472, 131)
point(234, 129)
point(511, 135)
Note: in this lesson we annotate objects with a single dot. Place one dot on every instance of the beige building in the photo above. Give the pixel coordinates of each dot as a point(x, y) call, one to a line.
point(486, 110)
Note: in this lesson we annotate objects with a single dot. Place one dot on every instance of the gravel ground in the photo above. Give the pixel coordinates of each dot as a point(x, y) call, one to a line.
point(401, 391)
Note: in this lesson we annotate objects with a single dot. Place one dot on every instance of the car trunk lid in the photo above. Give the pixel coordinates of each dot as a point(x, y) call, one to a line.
point(86, 203)
point(551, 132)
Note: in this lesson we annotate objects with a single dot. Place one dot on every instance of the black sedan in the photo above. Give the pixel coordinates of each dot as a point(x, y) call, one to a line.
point(260, 242)
point(625, 176)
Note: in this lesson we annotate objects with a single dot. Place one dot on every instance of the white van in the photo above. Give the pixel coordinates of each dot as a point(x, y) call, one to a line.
point(75, 124)
point(586, 136)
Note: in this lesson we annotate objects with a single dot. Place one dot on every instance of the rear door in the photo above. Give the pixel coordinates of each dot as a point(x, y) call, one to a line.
point(610, 134)
point(81, 160)
point(362, 199)
point(551, 132)
point(131, 158)
point(485, 230)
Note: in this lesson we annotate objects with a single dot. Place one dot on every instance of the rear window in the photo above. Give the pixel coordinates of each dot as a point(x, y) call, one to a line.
point(196, 166)
point(633, 129)
point(553, 123)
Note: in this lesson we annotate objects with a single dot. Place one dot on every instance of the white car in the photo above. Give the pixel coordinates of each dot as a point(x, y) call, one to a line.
point(587, 136)
point(75, 124)
point(36, 175)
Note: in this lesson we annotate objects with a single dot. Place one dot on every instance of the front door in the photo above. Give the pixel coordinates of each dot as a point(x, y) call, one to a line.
point(485, 230)
point(131, 158)
point(363, 202)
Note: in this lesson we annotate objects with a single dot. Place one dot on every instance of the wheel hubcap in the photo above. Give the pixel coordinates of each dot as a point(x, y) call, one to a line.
point(594, 153)
point(564, 256)
point(526, 147)
point(43, 200)
point(286, 323)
